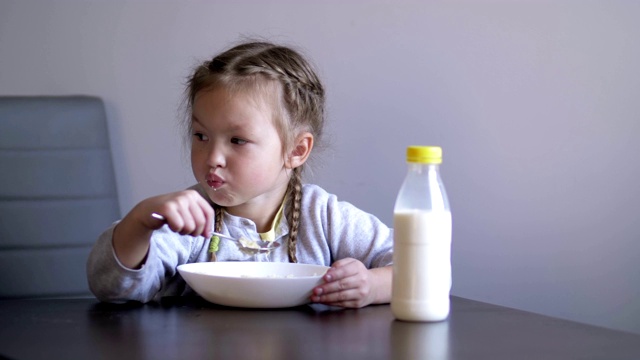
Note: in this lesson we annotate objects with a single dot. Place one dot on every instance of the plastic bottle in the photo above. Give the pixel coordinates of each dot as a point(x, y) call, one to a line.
point(422, 240)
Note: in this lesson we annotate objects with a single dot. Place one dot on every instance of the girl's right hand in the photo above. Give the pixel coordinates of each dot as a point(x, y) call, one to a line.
point(185, 212)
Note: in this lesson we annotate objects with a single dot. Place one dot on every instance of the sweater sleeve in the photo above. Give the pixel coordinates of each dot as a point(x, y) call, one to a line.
point(110, 281)
point(349, 231)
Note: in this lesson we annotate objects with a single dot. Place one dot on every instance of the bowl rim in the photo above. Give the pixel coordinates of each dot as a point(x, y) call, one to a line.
point(186, 268)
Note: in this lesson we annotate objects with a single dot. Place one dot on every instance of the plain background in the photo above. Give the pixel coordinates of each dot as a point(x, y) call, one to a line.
point(535, 103)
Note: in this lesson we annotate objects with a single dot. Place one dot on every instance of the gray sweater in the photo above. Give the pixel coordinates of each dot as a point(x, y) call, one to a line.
point(329, 230)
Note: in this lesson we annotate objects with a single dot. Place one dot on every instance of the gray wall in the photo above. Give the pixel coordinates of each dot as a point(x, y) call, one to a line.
point(535, 104)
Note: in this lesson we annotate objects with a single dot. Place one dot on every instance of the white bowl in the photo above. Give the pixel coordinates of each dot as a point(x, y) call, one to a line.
point(253, 284)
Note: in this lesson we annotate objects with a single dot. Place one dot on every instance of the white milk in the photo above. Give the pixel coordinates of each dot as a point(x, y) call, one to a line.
point(421, 265)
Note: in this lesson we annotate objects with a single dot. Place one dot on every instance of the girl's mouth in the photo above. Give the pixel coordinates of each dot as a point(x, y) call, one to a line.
point(214, 181)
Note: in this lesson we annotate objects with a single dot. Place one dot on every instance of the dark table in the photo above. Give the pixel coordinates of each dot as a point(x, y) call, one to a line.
point(191, 328)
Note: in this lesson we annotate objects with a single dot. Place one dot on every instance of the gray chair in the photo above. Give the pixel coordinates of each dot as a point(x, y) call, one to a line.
point(57, 193)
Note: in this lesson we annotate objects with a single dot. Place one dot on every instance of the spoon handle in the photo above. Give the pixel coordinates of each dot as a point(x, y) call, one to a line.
point(161, 218)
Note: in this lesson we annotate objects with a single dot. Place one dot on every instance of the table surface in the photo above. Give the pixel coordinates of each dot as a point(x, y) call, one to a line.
point(191, 328)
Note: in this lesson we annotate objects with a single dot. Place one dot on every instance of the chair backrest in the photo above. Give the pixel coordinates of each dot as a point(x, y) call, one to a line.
point(57, 192)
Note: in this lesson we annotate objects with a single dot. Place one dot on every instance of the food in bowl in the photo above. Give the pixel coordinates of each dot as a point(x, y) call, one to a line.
point(253, 284)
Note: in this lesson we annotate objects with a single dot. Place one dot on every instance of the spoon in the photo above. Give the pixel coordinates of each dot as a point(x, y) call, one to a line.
point(245, 244)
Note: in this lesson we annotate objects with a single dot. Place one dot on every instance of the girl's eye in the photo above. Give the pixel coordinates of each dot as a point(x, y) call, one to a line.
point(238, 141)
point(200, 136)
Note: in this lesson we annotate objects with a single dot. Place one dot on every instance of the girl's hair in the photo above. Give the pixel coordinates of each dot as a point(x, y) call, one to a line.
point(287, 80)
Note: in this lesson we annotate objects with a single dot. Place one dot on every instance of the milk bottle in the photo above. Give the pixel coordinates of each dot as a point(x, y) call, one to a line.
point(422, 240)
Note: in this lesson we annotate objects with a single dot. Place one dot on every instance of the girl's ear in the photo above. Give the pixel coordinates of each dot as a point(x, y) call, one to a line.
point(301, 150)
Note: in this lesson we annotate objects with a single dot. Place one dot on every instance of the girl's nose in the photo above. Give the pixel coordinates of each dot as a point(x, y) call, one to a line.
point(216, 157)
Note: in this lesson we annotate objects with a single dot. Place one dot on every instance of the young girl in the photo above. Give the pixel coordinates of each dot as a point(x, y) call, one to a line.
point(256, 112)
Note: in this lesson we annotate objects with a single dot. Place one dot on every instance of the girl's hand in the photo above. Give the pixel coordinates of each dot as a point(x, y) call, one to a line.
point(186, 212)
point(348, 283)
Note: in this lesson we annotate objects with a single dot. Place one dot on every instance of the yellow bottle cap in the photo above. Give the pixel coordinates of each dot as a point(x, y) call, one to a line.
point(424, 154)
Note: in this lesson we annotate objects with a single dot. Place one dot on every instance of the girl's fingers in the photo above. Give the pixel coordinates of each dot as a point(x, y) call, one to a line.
point(346, 298)
point(344, 274)
point(346, 284)
point(339, 298)
point(187, 213)
point(194, 220)
point(342, 284)
point(175, 220)
point(199, 220)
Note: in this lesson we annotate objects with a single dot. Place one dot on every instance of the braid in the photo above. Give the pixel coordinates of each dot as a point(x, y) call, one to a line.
point(218, 224)
point(295, 199)
point(217, 227)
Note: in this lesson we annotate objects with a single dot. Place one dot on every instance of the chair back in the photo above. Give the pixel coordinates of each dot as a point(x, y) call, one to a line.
point(57, 192)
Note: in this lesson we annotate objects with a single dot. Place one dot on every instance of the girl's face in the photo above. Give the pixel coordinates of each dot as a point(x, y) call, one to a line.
point(236, 152)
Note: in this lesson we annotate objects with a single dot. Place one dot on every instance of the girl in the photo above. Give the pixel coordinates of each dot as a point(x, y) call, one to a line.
point(256, 112)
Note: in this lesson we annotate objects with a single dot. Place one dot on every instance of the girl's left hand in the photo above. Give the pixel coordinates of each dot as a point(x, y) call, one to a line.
point(348, 283)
